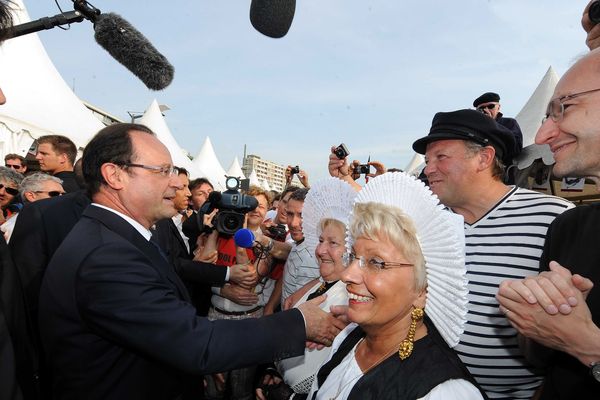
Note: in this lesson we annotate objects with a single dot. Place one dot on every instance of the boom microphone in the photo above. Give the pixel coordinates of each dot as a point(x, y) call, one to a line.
point(129, 47)
point(244, 238)
point(272, 18)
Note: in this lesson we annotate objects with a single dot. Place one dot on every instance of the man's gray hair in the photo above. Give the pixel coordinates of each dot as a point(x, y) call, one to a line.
point(10, 175)
point(35, 182)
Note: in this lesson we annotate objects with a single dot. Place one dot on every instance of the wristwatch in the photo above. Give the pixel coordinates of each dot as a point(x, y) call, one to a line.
point(595, 370)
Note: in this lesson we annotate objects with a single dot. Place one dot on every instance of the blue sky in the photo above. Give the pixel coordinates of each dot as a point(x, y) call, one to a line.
point(369, 73)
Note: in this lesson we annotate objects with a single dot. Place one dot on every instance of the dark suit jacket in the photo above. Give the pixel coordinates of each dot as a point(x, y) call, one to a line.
point(198, 277)
point(69, 182)
point(116, 323)
point(39, 231)
point(169, 239)
point(18, 363)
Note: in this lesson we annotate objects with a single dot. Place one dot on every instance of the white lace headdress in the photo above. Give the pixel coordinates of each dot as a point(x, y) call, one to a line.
point(441, 236)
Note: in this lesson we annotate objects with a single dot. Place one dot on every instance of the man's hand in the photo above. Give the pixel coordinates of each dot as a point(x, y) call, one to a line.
point(337, 168)
point(288, 175)
point(265, 225)
point(554, 290)
point(243, 276)
point(575, 333)
point(321, 327)
point(380, 168)
point(239, 295)
point(340, 312)
point(593, 30)
point(207, 257)
point(303, 177)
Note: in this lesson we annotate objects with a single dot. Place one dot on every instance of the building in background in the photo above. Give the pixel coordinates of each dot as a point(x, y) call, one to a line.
point(265, 170)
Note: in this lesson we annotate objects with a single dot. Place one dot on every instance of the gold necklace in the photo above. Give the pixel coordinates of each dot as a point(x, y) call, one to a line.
point(342, 385)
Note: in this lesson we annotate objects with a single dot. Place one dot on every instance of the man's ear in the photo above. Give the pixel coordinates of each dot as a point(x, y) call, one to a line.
point(113, 175)
point(487, 157)
point(63, 158)
point(29, 196)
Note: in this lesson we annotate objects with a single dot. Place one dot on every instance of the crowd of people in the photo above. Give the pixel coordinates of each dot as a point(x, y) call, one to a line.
point(122, 277)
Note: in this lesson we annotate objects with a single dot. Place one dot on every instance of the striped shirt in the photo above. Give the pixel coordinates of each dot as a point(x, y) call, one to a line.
point(300, 268)
point(506, 243)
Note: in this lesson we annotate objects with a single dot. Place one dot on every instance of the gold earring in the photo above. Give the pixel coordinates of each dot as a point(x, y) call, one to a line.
point(406, 346)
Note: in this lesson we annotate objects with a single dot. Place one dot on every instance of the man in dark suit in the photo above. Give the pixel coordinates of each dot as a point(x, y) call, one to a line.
point(198, 277)
point(115, 319)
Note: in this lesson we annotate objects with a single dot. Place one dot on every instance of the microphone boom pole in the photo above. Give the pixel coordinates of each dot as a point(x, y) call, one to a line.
point(45, 23)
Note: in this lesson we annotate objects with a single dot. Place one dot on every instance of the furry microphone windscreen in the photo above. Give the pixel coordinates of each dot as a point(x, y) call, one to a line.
point(272, 18)
point(129, 47)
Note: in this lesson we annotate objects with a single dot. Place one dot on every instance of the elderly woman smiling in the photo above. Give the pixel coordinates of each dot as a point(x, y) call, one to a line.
point(325, 214)
point(406, 261)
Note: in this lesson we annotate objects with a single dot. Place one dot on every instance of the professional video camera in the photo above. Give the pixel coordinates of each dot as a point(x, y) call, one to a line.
point(232, 206)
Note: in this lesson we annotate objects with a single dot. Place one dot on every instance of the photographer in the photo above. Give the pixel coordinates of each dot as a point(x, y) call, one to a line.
point(302, 176)
point(339, 168)
point(276, 231)
point(232, 301)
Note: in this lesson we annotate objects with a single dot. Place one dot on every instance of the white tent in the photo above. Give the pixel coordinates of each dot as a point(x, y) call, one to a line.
point(530, 120)
point(154, 120)
point(416, 165)
point(235, 169)
point(265, 185)
point(254, 179)
point(207, 161)
point(39, 102)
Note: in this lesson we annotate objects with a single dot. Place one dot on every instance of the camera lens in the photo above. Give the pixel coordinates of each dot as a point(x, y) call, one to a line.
point(594, 12)
point(230, 222)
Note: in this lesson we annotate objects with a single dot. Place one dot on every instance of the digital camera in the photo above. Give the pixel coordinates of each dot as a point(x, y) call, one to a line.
point(362, 169)
point(341, 151)
point(277, 232)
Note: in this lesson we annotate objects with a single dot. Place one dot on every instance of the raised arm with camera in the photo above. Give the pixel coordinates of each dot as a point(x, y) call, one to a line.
point(338, 165)
point(290, 171)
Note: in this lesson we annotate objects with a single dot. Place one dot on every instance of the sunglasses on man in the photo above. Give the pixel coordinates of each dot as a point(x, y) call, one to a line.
point(51, 193)
point(9, 190)
point(488, 106)
point(14, 166)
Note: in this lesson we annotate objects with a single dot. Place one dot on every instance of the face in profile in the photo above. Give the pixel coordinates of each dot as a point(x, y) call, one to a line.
point(573, 131)
point(48, 158)
point(48, 189)
point(182, 195)
point(147, 195)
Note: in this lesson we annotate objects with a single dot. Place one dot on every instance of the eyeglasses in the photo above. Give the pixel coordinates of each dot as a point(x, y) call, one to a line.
point(13, 166)
point(9, 190)
point(163, 170)
point(556, 107)
point(371, 265)
point(489, 107)
point(51, 193)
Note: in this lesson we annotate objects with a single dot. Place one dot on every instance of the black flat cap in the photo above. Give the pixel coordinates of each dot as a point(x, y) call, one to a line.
point(468, 125)
point(487, 97)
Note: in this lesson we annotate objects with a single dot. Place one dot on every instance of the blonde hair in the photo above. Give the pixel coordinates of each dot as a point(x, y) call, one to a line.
point(376, 220)
point(325, 222)
point(256, 191)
